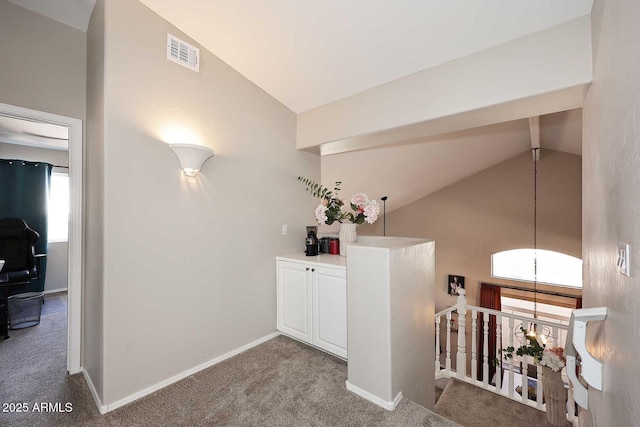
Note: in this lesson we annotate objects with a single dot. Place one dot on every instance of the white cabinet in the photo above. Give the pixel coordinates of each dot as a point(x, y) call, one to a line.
point(294, 300)
point(329, 314)
point(312, 304)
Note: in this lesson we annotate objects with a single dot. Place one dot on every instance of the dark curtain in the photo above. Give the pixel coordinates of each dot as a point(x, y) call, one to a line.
point(24, 194)
point(489, 298)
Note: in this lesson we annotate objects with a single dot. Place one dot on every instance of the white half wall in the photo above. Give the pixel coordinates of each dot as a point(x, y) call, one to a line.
point(536, 74)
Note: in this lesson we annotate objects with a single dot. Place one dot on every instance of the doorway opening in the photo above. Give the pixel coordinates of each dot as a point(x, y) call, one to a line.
point(74, 173)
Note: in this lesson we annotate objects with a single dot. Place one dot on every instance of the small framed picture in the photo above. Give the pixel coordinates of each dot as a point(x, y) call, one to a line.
point(455, 283)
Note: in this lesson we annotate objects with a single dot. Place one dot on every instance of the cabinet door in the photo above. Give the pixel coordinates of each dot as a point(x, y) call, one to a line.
point(330, 310)
point(294, 300)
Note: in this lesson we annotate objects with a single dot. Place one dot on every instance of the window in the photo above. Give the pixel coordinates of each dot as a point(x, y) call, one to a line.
point(554, 268)
point(58, 215)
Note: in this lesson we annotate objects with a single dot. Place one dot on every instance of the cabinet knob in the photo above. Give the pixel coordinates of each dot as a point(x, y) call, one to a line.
point(307, 268)
point(313, 269)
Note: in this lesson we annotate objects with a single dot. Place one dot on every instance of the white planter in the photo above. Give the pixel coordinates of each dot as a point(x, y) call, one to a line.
point(347, 236)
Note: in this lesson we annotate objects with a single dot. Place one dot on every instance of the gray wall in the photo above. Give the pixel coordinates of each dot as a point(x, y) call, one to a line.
point(187, 270)
point(34, 154)
point(492, 211)
point(611, 164)
point(93, 304)
point(58, 252)
point(43, 63)
point(43, 68)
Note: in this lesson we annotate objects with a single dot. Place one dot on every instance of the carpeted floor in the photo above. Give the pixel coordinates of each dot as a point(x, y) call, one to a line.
point(471, 406)
point(279, 383)
point(54, 303)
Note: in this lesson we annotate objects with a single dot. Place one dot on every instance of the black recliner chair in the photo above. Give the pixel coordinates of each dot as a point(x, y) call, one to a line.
point(21, 264)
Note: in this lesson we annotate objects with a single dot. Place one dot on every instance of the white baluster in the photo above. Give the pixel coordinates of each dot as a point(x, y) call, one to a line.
point(448, 358)
point(437, 359)
point(485, 349)
point(539, 388)
point(474, 344)
point(525, 379)
point(444, 367)
point(571, 404)
point(498, 347)
point(511, 378)
point(461, 355)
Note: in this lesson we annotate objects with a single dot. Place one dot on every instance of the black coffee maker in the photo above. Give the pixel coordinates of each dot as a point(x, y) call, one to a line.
point(312, 241)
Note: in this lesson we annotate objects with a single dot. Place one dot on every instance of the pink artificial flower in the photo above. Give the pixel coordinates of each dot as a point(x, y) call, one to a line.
point(558, 351)
point(371, 211)
point(359, 200)
point(321, 214)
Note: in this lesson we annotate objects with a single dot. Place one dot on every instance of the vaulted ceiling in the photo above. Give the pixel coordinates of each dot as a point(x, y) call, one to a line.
point(414, 170)
point(307, 53)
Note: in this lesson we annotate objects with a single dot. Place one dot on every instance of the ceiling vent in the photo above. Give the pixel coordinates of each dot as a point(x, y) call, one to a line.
point(183, 53)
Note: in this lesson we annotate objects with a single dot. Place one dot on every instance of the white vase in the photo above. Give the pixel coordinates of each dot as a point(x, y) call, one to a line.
point(347, 236)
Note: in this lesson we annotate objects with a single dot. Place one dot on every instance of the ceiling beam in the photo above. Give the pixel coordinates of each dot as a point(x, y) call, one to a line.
point(534, 128)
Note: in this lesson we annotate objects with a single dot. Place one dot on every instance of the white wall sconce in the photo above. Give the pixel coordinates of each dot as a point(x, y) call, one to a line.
point(191, 157)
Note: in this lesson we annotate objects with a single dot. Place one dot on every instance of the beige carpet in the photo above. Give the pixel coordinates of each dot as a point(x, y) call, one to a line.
point(279, 383)
point(471, 406)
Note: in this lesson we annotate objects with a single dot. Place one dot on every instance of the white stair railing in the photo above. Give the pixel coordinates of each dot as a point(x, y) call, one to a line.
point(516, 369)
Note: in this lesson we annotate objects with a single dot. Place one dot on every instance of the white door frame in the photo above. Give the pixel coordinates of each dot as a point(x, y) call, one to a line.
point(74, 323)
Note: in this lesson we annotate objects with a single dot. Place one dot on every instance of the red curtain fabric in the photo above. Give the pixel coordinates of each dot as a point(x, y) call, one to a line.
point(489, 298)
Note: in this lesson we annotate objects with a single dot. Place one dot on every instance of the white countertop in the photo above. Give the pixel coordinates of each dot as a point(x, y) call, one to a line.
point(323, 260)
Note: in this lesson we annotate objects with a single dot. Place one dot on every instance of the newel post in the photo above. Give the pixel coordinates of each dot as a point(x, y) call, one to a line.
point(461, 356)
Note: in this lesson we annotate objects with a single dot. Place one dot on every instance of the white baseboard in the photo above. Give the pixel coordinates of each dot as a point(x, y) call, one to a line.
point(185, 374)
point(389, 406)
point(54, 291)
point(101, 408)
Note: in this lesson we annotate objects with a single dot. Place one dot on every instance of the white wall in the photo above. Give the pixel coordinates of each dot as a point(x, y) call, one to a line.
point(611, 172)
point(58, 252)
point(43, 63)
point(57, 267)
point(472, 91)
point(188, 265)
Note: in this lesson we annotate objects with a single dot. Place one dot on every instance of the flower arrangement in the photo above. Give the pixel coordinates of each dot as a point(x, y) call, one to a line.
point(330, 208)
point(550, 357)
point(553, 358)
